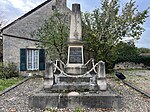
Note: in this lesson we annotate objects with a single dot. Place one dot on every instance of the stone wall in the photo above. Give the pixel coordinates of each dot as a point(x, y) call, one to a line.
point(23, 28)
point(129, 65)
point(137, 72)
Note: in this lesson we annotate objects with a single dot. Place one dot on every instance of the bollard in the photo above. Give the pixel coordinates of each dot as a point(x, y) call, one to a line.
point(48, 78)
point(101, 76)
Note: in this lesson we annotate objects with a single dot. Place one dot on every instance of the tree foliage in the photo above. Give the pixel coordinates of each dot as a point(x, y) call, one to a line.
point(3, 20)
point(53, 35)
point(102, 30)
point(144, 50)
point(105, 27)
point(126, 50)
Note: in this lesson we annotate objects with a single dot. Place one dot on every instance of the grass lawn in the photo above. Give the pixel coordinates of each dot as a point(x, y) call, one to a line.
point(5, 83)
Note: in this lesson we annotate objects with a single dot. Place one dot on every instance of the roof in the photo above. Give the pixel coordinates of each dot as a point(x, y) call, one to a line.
point(25, 15)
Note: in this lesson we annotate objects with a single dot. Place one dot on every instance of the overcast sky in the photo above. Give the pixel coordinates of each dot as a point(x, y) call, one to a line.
point(12, 9)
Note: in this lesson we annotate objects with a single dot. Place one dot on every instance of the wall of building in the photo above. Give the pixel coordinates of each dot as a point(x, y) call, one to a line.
point(24, 28)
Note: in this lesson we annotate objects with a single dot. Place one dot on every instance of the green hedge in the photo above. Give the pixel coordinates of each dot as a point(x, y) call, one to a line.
point(136, 59)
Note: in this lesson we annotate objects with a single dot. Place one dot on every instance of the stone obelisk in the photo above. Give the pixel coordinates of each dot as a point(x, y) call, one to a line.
point(75, 27)
point(75, 62)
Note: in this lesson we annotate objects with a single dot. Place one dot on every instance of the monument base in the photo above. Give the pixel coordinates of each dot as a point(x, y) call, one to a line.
point(79, 70)
point(80, 83)
point(90, 99)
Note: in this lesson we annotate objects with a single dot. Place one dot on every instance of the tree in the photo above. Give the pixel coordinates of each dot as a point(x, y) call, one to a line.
point(53, 36)
point(126, 51)
point(3, 21)
point(105, 27)
point(144, 50)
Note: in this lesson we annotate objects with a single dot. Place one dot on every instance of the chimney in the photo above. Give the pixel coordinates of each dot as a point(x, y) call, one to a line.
point(61, 2)
point(76, 8)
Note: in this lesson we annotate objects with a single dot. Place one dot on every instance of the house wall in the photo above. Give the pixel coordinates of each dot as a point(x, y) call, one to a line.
point(23, 28)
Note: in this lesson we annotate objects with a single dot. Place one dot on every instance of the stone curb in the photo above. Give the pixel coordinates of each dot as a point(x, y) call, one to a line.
point(137, 89)
point(14, 86)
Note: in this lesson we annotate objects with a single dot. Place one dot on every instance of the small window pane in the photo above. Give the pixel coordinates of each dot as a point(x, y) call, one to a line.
point(33, 59)
point(29, 59)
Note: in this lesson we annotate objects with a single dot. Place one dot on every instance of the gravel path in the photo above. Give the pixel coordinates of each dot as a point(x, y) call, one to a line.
point(17, 99)
point(133, 101)
point(140, 78)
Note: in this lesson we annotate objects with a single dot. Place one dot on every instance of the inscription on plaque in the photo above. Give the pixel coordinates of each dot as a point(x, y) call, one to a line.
point(75, 55)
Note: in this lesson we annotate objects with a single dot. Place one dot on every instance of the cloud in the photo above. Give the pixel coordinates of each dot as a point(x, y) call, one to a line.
point(12, 9)
point(144, 40)
point(3, 4)
point(85, 4)
point(7, 11)
point(24, 5)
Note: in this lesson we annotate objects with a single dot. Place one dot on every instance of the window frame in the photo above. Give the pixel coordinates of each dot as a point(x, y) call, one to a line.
point(33, 58)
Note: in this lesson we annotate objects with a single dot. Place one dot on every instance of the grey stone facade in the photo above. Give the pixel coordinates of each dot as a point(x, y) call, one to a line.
point(23, 26)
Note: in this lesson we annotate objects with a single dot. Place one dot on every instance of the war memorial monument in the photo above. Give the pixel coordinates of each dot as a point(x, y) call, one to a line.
point(73, 84)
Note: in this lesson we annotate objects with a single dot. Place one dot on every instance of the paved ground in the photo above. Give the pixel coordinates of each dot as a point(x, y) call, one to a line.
point(17, 99)
point(133, 101)
point(140, 78)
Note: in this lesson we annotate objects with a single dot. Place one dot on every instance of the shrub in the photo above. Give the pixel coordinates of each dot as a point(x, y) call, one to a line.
point(136, 59)
point(8, 70)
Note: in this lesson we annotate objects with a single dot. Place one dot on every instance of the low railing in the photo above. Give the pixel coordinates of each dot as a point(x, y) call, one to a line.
point(85, 74)
point(92, 61)
point(61, 64)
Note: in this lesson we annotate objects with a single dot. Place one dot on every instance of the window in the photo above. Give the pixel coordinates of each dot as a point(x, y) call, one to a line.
point(53, 7)
point(32, 59)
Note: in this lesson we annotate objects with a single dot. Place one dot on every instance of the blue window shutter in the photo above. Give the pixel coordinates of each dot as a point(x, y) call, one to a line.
point(42, 59)
point(23, 60)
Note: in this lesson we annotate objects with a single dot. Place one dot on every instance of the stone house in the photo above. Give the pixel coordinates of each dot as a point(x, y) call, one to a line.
point(18, 44)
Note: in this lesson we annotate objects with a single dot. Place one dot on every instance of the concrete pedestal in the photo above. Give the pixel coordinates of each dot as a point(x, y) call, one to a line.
point(79, 70)
point(99, 99)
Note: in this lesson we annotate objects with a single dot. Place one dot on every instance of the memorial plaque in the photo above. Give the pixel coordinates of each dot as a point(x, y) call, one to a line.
point(75, 55)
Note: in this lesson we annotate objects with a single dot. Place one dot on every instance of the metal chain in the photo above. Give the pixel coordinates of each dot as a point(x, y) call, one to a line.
point(87, 73)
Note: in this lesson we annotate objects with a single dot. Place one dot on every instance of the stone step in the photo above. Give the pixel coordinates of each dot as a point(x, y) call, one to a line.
point(74, 79)
point(59, 79)
point(99, 99)
point(74, 87)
